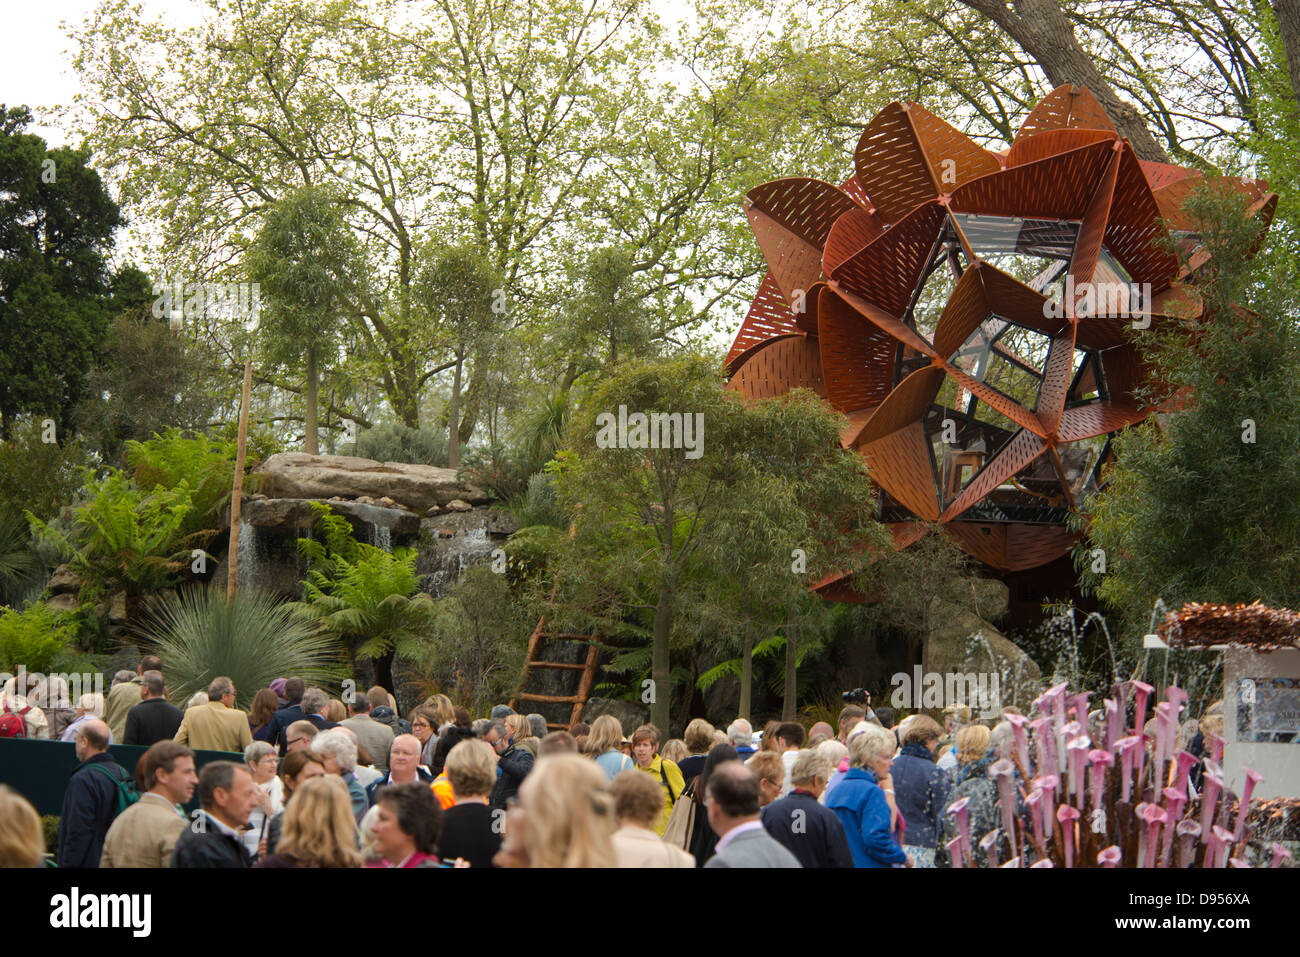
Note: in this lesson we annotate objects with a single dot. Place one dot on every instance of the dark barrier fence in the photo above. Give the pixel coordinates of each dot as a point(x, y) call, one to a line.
point(39, 770)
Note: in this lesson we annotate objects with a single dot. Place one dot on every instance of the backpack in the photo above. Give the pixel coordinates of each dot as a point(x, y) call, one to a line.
point(126, 790)
point(13, 724)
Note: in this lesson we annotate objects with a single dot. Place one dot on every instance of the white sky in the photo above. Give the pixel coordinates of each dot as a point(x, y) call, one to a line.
point(36, 54)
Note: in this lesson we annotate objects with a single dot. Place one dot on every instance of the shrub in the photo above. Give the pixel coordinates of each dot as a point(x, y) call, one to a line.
point(36, 637)
point(395, 442)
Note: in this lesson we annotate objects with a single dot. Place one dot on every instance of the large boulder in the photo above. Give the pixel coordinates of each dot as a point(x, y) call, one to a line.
point(960, 643)
point(416, 487)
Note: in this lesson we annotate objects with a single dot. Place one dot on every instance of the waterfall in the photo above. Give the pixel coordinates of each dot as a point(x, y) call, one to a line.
point(443, 565)
point(381, 537)
point(249, 555)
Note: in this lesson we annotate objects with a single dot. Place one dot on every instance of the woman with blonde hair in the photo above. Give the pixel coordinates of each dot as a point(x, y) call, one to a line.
point(972, 781)
point(337, 712)
point(566, 816)
point(674, 750)
point(442, 708)
point(522, 732)
point(319, 828)
point(604, 745)
point(22, 840)
point(698, 739)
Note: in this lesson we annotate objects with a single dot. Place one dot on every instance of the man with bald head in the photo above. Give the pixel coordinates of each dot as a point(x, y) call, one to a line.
point(90, 802)
point(403, 768)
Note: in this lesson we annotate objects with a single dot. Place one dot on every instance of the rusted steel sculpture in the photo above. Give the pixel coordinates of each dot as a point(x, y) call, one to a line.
point(974, 314)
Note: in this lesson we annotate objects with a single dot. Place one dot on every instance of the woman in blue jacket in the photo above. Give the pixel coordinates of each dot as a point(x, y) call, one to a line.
point(859, 801)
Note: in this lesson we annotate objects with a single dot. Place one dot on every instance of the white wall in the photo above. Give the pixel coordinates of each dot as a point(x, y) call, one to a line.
point(1279, 763)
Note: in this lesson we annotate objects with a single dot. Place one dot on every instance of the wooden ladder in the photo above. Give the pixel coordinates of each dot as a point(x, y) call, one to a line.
point(534, 661)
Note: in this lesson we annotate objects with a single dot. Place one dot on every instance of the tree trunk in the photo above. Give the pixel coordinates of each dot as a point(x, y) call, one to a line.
point(453, 417)
point(384, 671)
point(660, 689)
point(791, 656)
point(1045, 32)
point(746, 670)
point(1288, 27)
point(309, 398)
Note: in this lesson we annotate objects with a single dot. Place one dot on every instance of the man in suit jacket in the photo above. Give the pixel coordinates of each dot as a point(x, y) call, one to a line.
point(226, 795)
point(733, 815)
point(154, 719)
point(799, 823)
point(125, 695)
point(146, 833)
point(217, 725)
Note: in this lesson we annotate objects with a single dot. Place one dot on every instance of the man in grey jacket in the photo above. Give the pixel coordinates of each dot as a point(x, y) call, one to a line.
point(732, 800)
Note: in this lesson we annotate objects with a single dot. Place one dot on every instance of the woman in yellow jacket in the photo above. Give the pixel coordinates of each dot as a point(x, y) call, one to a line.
point(645, 749)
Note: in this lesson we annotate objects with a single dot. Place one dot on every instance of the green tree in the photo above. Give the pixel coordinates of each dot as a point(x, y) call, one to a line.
point(363, 595)
point(478, 640)
point(147, 378)
point(804, 509)
point(462, 296)
point(304, 261)
point(56, 228)
point(719, 522)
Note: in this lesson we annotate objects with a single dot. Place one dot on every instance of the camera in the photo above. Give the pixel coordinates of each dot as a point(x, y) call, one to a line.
point(857, 696)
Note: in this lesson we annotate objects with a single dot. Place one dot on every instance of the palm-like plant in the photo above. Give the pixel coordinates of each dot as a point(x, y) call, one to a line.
point(253, 640)
point(373, 599)
point(19, 564)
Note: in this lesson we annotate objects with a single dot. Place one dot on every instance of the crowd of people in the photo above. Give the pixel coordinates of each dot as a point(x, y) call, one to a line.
point(322, 783)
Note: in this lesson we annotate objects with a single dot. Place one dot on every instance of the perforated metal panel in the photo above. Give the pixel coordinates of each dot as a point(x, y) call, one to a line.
point(887, 270)
point(1067, 106)
point(1057, 187)
point(769, 317)
point(857, 359)
point(952, 156)
point(852, 233)
point(1030, 149)
point(1023, 448)
point(905, 404)
point(1057, 374)
point(1087, 246)
point(777, 366)
point(890, 166)
point(1096, 418)
point(901, 464)
point(883, 321)
point(1135, 234)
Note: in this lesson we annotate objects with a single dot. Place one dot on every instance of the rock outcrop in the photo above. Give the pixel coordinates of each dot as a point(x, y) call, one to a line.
point(415, 487)
point(960, 642)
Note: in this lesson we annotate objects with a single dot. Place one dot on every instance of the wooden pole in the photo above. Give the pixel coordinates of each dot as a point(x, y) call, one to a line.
point(237, 489)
